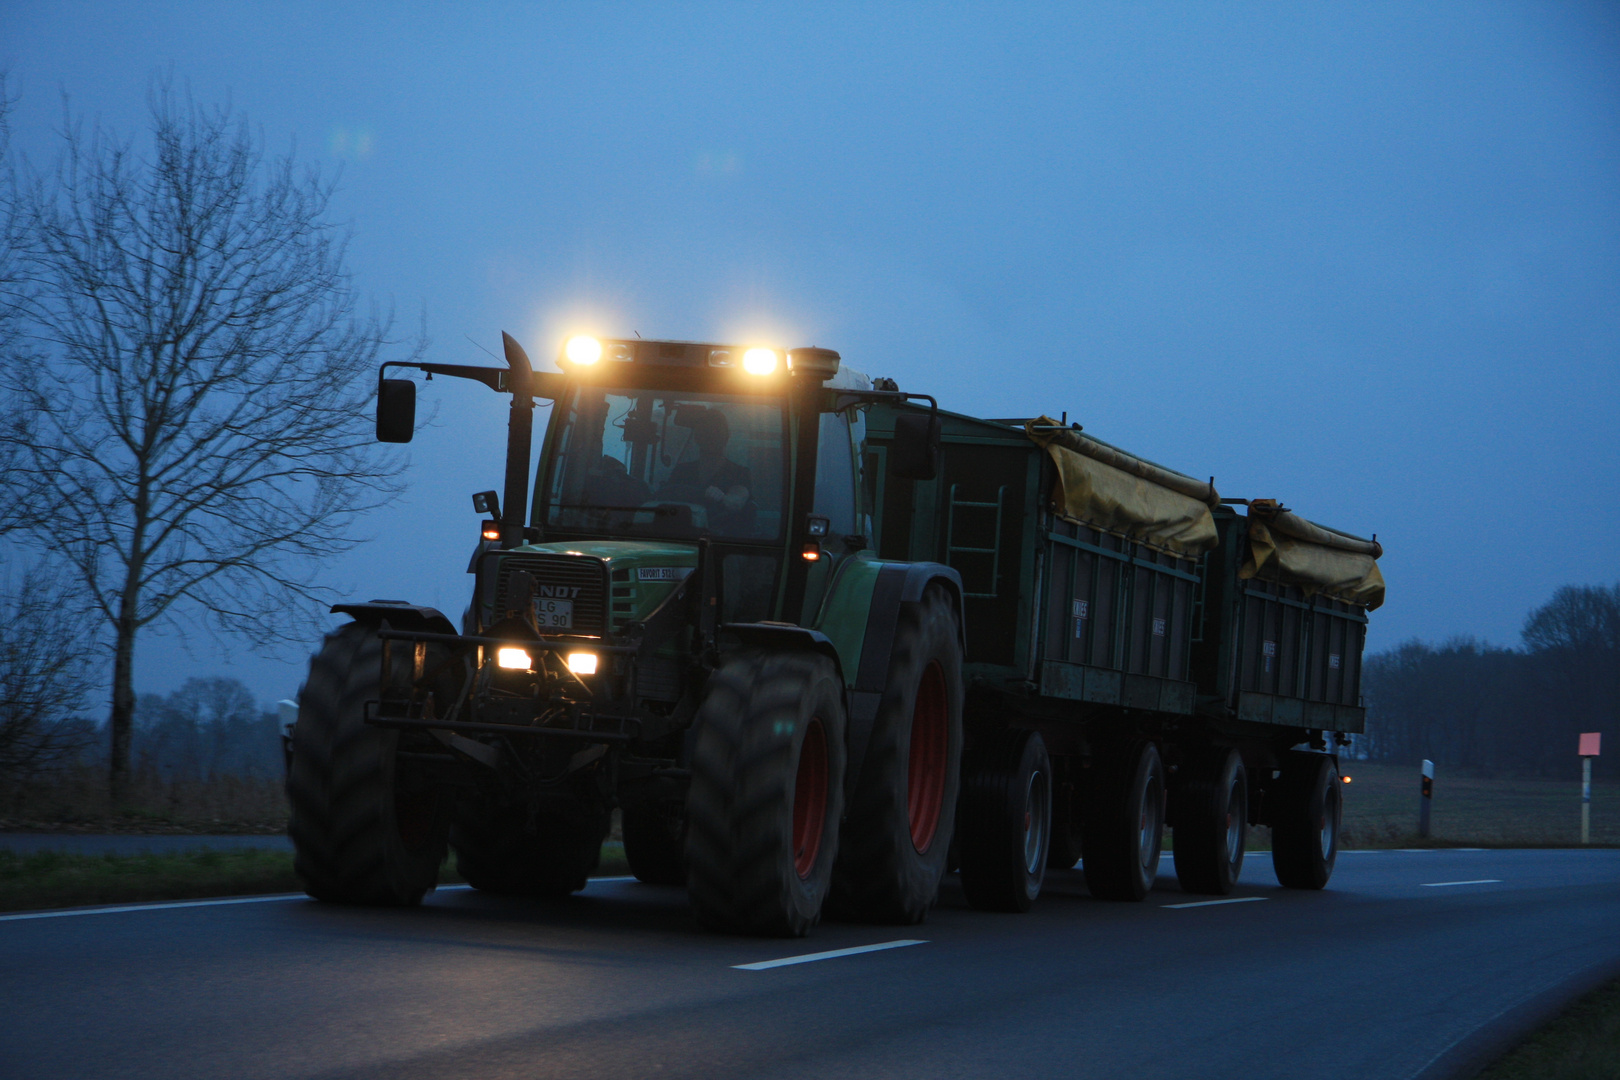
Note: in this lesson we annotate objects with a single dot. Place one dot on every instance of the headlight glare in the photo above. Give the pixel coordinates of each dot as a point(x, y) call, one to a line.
point(582, 663)
point(513, 659)
point(582, 349)
point(759, 361)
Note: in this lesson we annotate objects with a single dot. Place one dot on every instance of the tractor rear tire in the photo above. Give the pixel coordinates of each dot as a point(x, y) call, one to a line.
point(767, 793)
point(1005, 821)
point(1124, 826)
point(1305, 816)
point(655, 838)
point(499, 851)
point(366, 827)
point(1211, 822)
point(897, 834)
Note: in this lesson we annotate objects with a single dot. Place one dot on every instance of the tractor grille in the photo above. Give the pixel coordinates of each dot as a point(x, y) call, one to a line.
point(580, 572)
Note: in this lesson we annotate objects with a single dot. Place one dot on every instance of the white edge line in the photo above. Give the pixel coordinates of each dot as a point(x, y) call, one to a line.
point(1441, 884)
point(830, 954)
point(1212, 903)
point(150, 907)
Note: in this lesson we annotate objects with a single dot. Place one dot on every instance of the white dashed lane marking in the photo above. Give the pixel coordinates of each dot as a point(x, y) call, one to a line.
point(1443, 884)
point(830, 954)
point(1212, 903)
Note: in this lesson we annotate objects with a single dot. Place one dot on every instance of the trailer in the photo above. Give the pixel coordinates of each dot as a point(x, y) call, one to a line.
point(1140, 655)
point(821, 643)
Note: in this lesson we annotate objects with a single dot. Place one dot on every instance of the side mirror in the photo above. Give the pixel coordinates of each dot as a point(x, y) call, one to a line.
point(396, 410)
point(914, 454)
point(487, 503)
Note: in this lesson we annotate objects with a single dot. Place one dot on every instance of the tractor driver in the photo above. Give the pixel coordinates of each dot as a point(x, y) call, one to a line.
point(718, 482)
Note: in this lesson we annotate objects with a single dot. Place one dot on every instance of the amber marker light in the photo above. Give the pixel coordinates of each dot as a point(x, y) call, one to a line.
point(492, 531)
point(582, 663)
point(1347, 779)
point(513, 659)
point(759, 361)
point(583, 350)
point(812, 552)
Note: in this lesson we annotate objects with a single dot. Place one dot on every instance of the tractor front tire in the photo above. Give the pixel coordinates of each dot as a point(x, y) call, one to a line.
point(366, 829)
point(894, 842)
point(766, 794)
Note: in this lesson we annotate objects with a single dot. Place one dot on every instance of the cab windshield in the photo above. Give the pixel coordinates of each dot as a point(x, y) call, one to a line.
point(667, 464)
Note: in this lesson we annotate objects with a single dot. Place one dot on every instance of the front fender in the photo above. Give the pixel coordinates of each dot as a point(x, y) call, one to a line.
point(397, 614)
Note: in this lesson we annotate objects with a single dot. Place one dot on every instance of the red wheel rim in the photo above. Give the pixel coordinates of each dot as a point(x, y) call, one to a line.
point(930, 749)
point(810, 799)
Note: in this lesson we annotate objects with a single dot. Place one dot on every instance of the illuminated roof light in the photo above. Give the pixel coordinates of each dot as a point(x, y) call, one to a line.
point(759, 361)
point(583, 350)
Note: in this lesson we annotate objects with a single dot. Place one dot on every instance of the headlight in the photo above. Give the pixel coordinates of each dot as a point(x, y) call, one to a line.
point(759, 361)
point(582, 663)
point(583, 350)
point(514, 659)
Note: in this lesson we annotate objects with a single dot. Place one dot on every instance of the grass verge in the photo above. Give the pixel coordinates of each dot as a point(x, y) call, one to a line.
point(54, 879)
point(1583, 1043)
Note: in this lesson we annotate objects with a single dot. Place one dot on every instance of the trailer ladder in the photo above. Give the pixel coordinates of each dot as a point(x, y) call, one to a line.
point(994, 551)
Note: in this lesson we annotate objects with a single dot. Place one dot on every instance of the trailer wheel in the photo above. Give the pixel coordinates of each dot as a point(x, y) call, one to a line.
point(366, 827)
point(1211, 822)
point(767, 793)
point(1124, 826)
point(1005, 821)
point(896, 836)
point(655, 839)
point(498, 851)
point(1305, 820)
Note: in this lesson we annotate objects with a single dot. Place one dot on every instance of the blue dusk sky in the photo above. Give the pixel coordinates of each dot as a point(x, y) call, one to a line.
point(1364, 258)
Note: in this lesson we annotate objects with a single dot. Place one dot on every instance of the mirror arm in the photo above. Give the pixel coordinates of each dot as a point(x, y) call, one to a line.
point(847, 399)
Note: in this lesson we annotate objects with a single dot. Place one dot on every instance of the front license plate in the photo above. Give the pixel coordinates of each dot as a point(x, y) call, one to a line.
point(554, 614)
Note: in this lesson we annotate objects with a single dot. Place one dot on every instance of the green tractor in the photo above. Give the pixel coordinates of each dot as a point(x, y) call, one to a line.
point(685, 619)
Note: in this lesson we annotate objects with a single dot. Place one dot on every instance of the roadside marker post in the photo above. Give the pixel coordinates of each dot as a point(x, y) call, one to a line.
point(1591, 744)
point(1428, 797)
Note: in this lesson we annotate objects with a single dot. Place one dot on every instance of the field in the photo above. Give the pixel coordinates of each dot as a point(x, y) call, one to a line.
point(1381, 809)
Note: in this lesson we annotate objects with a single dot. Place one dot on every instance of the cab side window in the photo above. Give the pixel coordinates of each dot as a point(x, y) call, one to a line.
point(835, 475)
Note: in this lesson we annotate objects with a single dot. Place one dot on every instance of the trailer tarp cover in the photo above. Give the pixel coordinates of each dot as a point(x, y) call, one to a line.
point(1106, 488)
point(1285, 547)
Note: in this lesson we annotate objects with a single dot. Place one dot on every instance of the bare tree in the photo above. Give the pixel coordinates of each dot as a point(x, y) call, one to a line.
point(197, 433)
point(44, 678)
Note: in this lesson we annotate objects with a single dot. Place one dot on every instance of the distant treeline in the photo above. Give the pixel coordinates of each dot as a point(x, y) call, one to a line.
point(206, 729)
point(1469, 705)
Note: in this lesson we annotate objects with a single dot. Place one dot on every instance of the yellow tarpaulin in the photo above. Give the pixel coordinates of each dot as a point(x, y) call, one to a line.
point(1106, 488)
point(1285, 547)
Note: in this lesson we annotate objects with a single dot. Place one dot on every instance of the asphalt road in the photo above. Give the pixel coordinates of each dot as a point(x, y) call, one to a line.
point(1410, 964)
